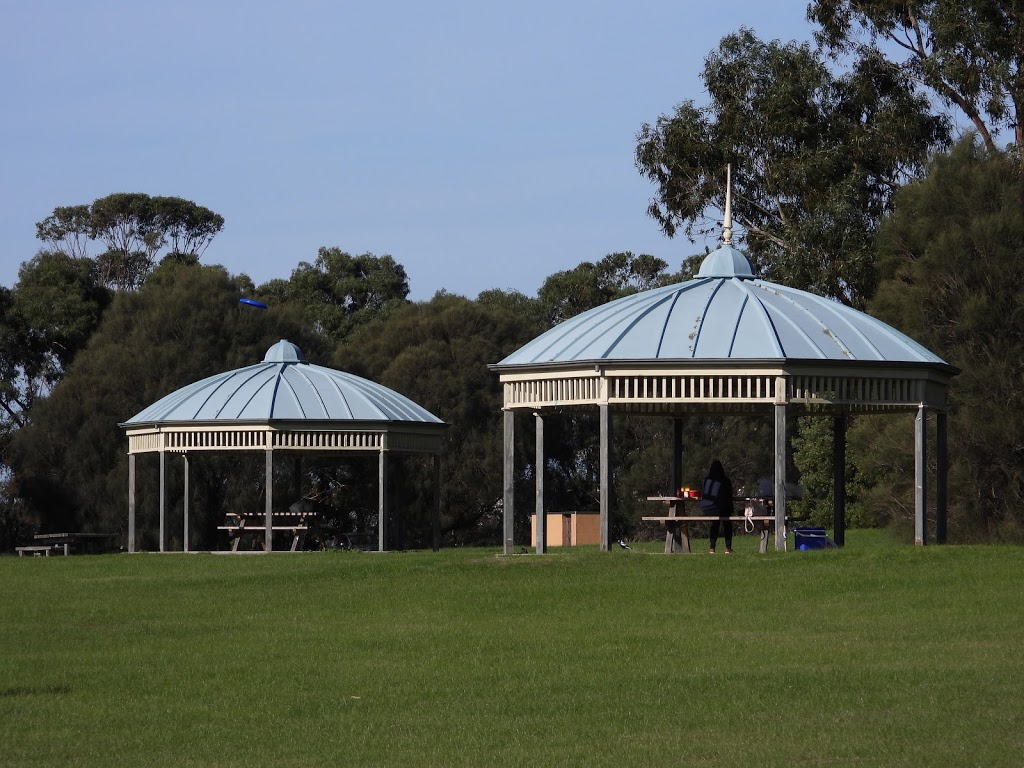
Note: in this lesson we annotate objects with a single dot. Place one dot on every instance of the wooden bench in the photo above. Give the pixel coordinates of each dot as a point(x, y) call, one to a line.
point(237, 524)
point(77, 542)
point(35, 551)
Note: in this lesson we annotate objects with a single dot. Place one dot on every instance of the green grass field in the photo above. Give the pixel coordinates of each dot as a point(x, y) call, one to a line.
point(877, 655)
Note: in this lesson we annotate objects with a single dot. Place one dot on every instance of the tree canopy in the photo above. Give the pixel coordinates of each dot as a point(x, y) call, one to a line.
point(816, 158)
point(966, 52)
point(950, 257)
point(133, 228)
point(338, 292)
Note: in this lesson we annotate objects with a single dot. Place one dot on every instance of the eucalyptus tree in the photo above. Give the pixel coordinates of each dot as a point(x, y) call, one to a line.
point(950, 260)
point(968, 53)
point(45, 321)
point(588, 284)
point(437, 353)
point(133, 228)
point(183, 324)
point(816, 157)
point(339, 291)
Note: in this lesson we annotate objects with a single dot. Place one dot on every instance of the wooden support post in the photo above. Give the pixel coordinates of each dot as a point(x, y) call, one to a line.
point(508, 497)
point(435, 504)
point(839, 480)
point(382, 502)
point(163, 495)
point(921, 477)
point(677, 455)
point(941, 475)
point(541, 524)
point(606, 476)
point(780, 476)
point(268, 509)
point(131, 502)
point(184, 458)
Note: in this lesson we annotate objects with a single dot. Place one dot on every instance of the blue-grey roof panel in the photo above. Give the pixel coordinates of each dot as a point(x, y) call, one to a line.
point(723, 314)
point(284, 388)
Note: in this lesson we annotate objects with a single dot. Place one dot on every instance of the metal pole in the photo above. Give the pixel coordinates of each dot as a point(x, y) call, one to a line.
point(435, 506)
point(131, 502)
point(184, 457)
point(780, 477)
point(382, 502)
point(606, 477)
point(677, 455)
point(540, 518)
point(921, 476)
point(508, 498)
point(163, 472)
point(269, 508)
point(839, 480)
point(941, 475)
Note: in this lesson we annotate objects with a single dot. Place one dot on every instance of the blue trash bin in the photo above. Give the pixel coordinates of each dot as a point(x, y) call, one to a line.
point(811, 538)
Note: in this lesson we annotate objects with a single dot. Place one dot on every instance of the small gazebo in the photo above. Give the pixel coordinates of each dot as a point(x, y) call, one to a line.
point(283, 405)
point(726, 341)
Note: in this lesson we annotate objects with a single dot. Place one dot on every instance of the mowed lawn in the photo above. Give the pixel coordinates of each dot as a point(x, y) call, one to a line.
point(877, 655)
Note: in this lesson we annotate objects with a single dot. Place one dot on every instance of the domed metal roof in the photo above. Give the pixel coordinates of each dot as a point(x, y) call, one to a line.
point(284, 387)
point(724, 313)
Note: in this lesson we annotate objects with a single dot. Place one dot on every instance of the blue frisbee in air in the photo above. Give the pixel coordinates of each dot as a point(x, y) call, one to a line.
point(253, 303)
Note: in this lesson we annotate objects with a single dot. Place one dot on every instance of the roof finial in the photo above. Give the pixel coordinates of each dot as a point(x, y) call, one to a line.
point(727, 224)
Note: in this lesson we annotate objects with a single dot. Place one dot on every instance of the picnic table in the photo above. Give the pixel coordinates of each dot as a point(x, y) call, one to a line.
point(240, 524)
point(677, 531)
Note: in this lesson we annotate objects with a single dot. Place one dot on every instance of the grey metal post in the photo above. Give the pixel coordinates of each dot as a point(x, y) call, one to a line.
point(780, 477)
point(606, 477)
point(184, 457)
point(508, 499)
point(541, 518)
point(941, 476)
point(269, 508)
point(435, 506)
point(382, 502)
point(677, 455)
point(131, 502)
point(921, 476)
point(163, 472)
point(839, 480)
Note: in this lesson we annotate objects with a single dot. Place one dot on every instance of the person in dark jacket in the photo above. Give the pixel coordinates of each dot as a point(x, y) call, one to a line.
point(716, 499)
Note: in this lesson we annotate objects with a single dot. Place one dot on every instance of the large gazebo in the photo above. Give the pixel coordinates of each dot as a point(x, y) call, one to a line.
point(726, 341)
point(283, 405)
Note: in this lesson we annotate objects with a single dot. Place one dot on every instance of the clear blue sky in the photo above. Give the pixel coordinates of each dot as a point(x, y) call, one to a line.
point(483, 145)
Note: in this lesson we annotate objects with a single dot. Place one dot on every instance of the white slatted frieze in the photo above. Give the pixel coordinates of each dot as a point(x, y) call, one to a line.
point(857, 391)
point(213, 439)
point(568, 390)
point(697, 388)
point(633, 389)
